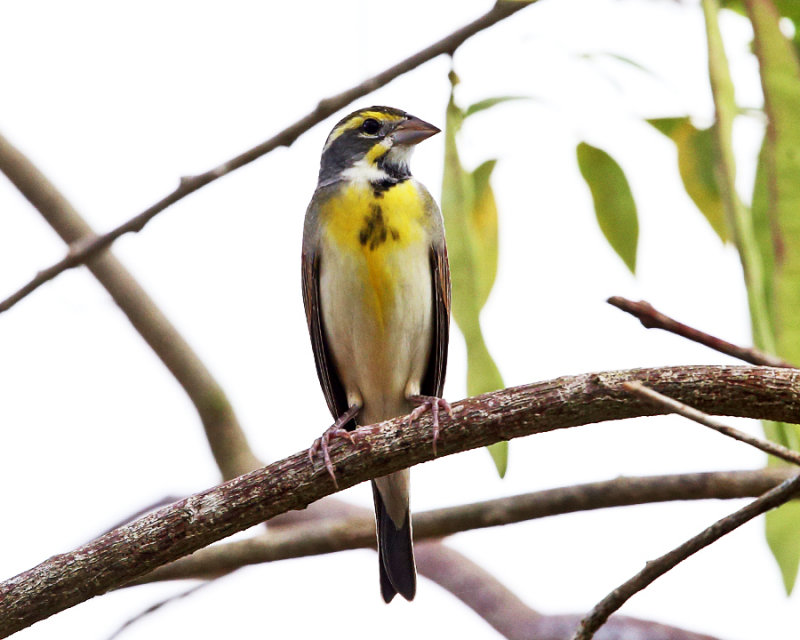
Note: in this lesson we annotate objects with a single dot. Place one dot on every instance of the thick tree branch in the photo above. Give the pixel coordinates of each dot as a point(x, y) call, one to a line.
point(651, 318)
point(186, 526)
point(225, 436)
point(90, 246)
point(227, 441)
point(329, 536)
point(658, 567)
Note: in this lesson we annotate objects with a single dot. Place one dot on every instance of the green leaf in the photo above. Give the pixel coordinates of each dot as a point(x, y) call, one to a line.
point(483, 230)
point(484, 376)
point(780, 79)
point(697, 165)
point(613, 201)
point(776, 211)
point(470, 216)
point(669, 126)
point(738, 217)
point(781, 531)
point(617, 57)
point(762, 227)
point(488, 103)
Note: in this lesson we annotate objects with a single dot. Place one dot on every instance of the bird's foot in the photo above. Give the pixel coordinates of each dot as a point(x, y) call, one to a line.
point(336, 430)
point(432, 404)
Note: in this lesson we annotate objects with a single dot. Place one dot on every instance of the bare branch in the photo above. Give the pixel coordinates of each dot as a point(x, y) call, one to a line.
point(512, 618)
point(186, 526)
point(498, 605)
point(653, 319)
point(617, 628)
point(474, 586)
point(82, 251)
point(225, 436)
point(656, 568)
point(330, 536)
point(686, 411)
point(155, 607)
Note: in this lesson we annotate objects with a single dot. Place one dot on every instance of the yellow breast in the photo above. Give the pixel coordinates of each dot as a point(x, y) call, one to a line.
point(361, 219)
point(373, 232)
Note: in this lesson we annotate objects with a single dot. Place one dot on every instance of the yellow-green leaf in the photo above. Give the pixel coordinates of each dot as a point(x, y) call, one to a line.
point(470, 216)
point(613, 201)
point(483, 229)
point(780, 79)
point(697, 167)
point(738, 217)
point(776, 205)
point(781, 532)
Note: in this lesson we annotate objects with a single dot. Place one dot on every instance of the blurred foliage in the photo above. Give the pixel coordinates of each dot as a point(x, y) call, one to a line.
point(470, 215)
point(776, 210)
point(765, 234)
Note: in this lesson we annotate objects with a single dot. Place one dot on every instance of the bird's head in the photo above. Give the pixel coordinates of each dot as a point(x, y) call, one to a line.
point(372, 145)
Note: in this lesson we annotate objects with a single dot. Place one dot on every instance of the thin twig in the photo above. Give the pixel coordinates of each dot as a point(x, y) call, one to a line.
point(186, 526)
point(686, 411)
point(656, 568)
point(358, 530)
point(654, 319)
point(155, 607)
point(513, 619)
point(82, 251)
point(225, 435)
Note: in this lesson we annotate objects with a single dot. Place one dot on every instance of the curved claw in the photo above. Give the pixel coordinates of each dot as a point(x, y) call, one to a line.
point(432, 404)
point(336, 430)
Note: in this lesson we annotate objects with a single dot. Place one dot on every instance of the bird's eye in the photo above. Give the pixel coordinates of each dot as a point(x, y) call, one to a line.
point(370, 126)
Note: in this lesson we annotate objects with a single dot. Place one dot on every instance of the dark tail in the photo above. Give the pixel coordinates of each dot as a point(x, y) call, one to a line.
point(395, 553)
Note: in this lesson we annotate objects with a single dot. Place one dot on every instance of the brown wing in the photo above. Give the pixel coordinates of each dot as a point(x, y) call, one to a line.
point(326, 370)
point(433, 381)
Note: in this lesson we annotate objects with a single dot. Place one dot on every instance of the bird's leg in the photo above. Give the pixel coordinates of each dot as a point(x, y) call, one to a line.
point(432, 404)
point(336, 430)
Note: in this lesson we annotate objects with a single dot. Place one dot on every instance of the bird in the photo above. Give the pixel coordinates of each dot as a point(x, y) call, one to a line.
point(376, 292)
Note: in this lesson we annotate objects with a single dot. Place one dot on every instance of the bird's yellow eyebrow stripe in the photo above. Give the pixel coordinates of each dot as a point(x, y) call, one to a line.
point(357, 120)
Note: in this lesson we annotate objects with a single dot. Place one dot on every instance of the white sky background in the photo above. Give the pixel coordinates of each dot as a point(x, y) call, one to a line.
point(115, 101)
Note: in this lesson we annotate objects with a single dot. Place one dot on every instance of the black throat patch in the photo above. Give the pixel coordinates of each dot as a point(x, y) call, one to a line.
point(395, 174)
point(379, 187)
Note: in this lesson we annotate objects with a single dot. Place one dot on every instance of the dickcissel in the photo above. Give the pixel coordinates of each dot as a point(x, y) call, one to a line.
point(376, 289)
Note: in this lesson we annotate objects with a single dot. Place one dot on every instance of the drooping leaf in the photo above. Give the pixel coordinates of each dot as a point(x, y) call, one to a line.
point(762, 227)
point(613, 201)
point(482, 105)
point(738, 217)
point(697, 167)
point(776, 204)
point(619, 58)
point(781, 530)
point(780, 79)
point(470, 216)
point(484, 231)
point(669, 126)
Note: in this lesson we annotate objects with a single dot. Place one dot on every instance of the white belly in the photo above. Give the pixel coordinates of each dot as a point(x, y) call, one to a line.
point(377, 312)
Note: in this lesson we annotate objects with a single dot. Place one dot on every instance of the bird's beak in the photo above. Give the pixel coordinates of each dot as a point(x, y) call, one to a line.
point(413, 131)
